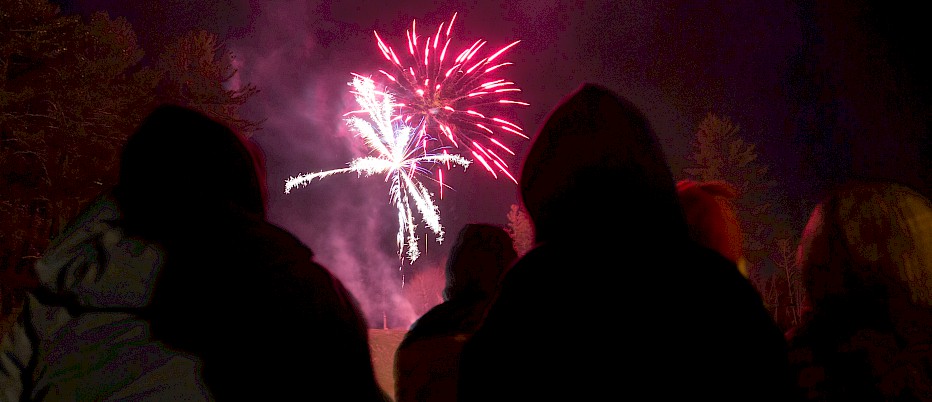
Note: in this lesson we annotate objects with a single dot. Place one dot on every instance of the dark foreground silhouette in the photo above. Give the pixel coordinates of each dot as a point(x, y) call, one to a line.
point(174, 286)
point(427, 360)
point(616, 293)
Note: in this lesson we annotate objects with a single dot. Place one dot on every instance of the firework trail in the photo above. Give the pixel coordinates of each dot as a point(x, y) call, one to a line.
point(451, 100)
point(400, 156)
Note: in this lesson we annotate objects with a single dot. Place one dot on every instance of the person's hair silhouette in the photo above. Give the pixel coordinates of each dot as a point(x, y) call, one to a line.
point(865, 262)
point(427, 360)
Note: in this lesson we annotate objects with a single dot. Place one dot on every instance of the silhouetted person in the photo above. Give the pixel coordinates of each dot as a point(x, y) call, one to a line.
point(865, 262)
point(712, 218)
point(176, 287)
point(427, 360)
point(615, 301)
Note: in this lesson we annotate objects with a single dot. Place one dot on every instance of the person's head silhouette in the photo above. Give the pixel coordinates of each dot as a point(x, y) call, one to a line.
point(180, 166)
point(596, 164)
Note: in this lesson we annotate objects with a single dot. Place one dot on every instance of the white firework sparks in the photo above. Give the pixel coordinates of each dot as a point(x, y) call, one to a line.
point(400, 157)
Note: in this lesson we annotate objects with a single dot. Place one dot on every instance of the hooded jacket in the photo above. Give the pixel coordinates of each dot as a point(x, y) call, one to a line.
point(80, 336)
point(615, 301)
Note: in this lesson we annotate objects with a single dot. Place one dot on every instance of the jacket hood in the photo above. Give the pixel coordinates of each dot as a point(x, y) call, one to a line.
point(181, 166)
point(92, 263)
point(595, 167)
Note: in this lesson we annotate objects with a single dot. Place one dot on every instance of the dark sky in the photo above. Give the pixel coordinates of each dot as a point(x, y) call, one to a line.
point(828, 91)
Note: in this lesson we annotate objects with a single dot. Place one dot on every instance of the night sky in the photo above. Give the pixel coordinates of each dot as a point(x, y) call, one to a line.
point(827, 92)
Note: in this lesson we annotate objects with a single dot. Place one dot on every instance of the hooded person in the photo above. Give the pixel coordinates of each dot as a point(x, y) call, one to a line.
point(427, 360)
point(174, 286)
point(615, 300)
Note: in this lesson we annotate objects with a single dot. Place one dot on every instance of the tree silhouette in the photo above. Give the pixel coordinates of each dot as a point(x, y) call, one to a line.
point(425, 289)
point(720, 153)
point(789, 270)
point(71, 90)
point(520, 229)
point(192, 67)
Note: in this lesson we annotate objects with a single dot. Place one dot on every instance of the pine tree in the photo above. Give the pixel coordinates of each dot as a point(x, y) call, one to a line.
point(720, 153)
point(425, 289)
point(68, 90)
point(789, 270)
point(192, 66)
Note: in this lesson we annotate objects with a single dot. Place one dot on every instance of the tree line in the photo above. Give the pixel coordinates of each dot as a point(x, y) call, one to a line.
point(72, 88)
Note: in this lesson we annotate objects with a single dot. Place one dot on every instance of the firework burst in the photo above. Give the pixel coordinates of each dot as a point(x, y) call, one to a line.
point(453, 96)
point(399, 155)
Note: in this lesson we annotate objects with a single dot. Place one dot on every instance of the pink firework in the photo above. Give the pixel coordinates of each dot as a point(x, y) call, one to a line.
point(454, 96)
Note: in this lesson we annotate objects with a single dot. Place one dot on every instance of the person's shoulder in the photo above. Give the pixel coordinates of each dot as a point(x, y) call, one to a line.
point(272, 241)
point(710, 263)
point(271, 232)
point(283, 257)
point(448, 318)
point(708, 275)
